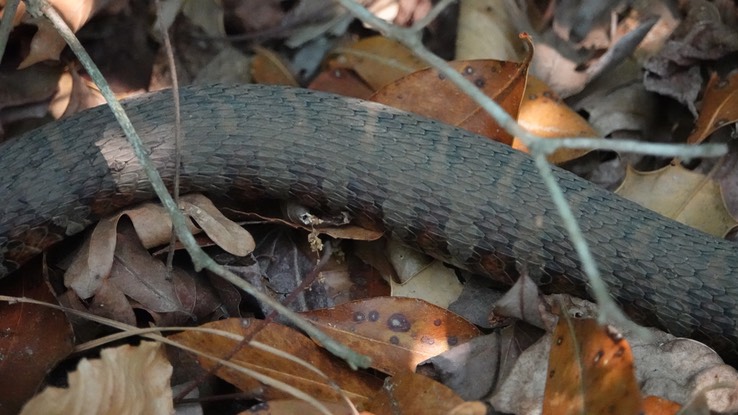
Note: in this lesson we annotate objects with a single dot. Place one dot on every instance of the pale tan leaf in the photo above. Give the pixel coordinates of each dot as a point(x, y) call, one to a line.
point(125, 380)
point(94, 260)
point(207, 14)
point(47, 44)
point(377, 60)
point(224, 232)
point(482, 20)
point(436, 284)
point(682, 195)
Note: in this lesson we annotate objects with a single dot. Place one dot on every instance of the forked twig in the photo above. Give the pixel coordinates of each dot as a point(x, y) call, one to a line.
point(539, 147)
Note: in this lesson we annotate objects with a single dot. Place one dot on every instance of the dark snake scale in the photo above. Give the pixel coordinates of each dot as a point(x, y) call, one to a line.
point(461, 198)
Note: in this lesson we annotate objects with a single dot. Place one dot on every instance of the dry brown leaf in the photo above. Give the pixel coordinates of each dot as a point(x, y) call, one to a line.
point(469, 408)
point(410, 393)
point(396, 332)
point(295, 406)
point(125, 380)
point(654, 405)
point(680, 194)
point(268, 68)
point(224, 232)
point(153, 226)
point(47, 44)
point(34, 338)
point(356, 385)
point(719, 107)
point(546, 115)
point(138, 281)
point(427, 93)
point(377, 60)
point(590, 371)
point(341, 82)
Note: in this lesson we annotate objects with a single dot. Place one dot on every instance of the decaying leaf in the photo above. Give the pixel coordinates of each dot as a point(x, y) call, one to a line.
point(153, 227)
point(719, 107)
point(377, 60)
point(125, 380)
point(410, 393)
point(268, 68)
point(34, 338)
point(359, 387)
point(396, 332)
point(427, 93)
point(682, 195)
point(341, 82)
point(47, 44)
point(590, 370)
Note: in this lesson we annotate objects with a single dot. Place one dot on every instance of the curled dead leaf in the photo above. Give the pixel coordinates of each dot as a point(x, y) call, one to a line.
point(125, 380)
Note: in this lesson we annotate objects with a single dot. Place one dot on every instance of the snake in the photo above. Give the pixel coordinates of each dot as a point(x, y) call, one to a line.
point(456, 196)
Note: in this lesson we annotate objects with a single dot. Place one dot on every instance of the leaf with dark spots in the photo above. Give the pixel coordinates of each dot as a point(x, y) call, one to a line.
point(396, 332)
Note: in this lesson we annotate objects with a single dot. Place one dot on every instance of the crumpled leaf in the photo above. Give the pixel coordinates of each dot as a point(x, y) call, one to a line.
point(153, 226)
point(341, 82)
point(436, 284)
point(125, 380)
point(703, 35)
point(680, 194)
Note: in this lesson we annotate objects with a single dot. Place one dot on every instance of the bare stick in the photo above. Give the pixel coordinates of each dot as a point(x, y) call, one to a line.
point(177, 128)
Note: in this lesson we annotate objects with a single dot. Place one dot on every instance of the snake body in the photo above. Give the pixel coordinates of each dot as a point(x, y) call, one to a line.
point(461, 198)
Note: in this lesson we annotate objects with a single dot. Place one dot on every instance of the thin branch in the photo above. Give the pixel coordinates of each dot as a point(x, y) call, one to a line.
point(539, 147)
point(199, 258)
point(177, 126)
